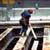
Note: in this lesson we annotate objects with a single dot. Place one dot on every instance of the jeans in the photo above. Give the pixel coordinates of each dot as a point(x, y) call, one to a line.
point(24, 29)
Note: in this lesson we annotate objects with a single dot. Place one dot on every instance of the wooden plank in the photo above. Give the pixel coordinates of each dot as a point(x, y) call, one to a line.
point(2, 35)
point(35, 45)
point(33, 32)
point(20, 43)
point(32, 22)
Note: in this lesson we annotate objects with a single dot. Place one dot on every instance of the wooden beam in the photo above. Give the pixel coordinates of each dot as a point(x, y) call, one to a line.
point(2, 35)
point(35, 45)
point(20, 43)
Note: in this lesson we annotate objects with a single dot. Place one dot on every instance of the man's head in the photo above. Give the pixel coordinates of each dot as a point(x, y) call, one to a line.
point(30, 11)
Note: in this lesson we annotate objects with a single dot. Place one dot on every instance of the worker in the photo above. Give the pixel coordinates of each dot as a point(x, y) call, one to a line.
point(25, 19)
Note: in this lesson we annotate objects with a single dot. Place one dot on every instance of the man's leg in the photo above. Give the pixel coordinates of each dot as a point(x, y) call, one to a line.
point(24, 30)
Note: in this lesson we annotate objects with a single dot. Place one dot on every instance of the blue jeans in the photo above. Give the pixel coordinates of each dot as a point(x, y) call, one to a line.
point(24, 29)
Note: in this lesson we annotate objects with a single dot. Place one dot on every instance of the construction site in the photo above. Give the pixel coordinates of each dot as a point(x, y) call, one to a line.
point(38, 33)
